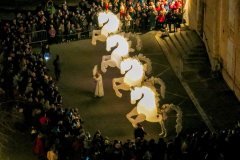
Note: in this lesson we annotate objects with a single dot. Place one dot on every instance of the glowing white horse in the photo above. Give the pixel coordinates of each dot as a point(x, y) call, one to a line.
point(135, 72)
point(120, 51)
point(109, 23)
point(148, 109)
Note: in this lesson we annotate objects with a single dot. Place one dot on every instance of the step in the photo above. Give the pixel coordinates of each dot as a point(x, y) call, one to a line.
point(184, 27)
point(172, 58)
point(192, 62)
point(192, 38)
point(195, 60)
point(164, 46)
point(196, 53)
point(182, 42)
point(192, 59)
point(186, 39)
point(173, 49)
point(174, 40)
point(195, 38)
point(199, 49)
point(194, 67)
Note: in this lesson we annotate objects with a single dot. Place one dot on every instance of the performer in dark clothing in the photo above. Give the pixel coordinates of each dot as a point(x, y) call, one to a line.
point(57, 69)
point(139, 132)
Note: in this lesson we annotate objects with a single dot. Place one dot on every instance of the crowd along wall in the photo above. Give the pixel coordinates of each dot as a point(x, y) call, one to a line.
point(218, 24)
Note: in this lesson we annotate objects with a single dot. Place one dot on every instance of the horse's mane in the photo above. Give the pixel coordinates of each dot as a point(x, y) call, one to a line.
point(147, 61)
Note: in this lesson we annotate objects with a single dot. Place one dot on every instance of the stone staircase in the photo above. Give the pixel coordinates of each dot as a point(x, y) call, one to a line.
point(209, 94)
point(188, 48)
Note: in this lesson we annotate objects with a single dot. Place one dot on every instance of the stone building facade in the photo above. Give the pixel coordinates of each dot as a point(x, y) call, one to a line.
point(218, 24)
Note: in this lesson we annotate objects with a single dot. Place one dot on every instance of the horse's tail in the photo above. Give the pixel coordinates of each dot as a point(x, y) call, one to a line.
point(162, 86)
point(178, 111)
point(137, 38)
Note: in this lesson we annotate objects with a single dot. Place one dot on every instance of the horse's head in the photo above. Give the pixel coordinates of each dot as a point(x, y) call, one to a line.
point(115, 41)
point(136, 94)
point(113, 23)
point(125, 65)
point(110, 42)
point(102, 18)
point(133, 70)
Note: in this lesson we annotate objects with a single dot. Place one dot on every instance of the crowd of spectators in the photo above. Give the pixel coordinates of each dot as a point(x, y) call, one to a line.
point(64, 23)
point(58, 132)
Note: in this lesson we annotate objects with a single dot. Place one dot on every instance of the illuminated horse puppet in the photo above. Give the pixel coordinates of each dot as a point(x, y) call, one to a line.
point(148, 108)
point(134, 73)
point(120, 51)
point(109, 23)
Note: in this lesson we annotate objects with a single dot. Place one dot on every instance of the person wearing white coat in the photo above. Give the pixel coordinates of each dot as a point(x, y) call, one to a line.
point(99, 92)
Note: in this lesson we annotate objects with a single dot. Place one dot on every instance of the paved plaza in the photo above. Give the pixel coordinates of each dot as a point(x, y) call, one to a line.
point(108, 113)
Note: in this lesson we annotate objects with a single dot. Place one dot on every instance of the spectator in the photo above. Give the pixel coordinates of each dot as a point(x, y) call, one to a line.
point(38, 147)
point(52, 154)
point(177, 19)
point(52, 34)
point(152, 14)
point(169, 20)
point(160, 21)
point(128, 22)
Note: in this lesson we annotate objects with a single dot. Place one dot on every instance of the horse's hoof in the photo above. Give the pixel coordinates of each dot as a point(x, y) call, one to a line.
point(134, 125)
point(119, 94)
point(103, 70)
point(163, 135)
point(138, 48)
point(132, 50)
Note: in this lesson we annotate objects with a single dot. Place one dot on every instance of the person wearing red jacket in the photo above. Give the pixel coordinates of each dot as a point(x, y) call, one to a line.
point(161, 20)
point(106, 5)
point(172, 6)
point(177, 4)
point(38, 146)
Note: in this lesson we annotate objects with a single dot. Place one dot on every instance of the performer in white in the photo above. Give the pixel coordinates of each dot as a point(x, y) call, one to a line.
point(99, 92)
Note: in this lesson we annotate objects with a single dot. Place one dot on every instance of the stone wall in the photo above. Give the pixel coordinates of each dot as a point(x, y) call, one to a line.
point(218, 23)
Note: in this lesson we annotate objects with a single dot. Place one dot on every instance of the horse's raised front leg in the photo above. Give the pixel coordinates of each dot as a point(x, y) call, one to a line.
point(94, 34)
point(121, 86)
point(104, 63)
point(129, 116)
point(140, 118)
point(117, 87)
point(107, 63)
